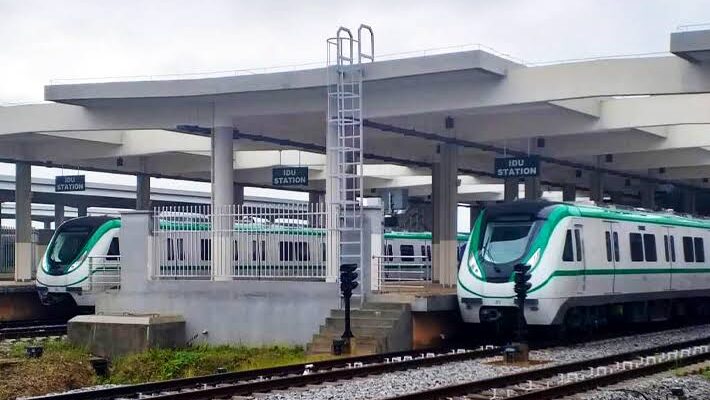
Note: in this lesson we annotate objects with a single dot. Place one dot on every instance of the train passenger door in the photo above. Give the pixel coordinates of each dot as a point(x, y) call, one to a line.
point(669, 253)
point(611, 243)
point(580, 259)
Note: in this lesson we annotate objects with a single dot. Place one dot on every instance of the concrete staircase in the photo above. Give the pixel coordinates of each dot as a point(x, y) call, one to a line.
point(378, 328)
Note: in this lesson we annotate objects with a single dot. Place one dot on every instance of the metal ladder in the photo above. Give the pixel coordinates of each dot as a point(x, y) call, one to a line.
point(345, 56)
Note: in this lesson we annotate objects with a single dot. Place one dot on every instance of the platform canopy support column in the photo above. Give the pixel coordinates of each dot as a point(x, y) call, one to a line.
point(222, 200)
point(648, 195)
point(532, 188)
point(82, 210)
point(238, 194)
point(569, 192)
point(474, 211)
point(444, 206)
point(58, 212)
point(23, 221)
point(142, 192)
point(510, 189)
point(689, 199)
point(596, 184)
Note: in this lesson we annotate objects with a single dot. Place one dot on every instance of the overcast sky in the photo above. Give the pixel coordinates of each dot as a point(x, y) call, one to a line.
point(64, 39)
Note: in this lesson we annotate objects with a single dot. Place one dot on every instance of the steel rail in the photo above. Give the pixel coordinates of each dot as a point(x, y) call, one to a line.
point(275, 378)
point(503, 381)
point(32, 331)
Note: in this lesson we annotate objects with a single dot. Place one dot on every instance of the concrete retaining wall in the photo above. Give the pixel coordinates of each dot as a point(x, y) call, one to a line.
point(248, 312)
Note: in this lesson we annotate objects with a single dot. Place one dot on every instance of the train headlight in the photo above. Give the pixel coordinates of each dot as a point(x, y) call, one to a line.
point(532, 261)
point(475, 269)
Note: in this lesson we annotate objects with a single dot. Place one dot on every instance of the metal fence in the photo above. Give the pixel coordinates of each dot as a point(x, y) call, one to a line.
point(400, 272)
point(104, 273)
point(284, 241)
point(7, 250)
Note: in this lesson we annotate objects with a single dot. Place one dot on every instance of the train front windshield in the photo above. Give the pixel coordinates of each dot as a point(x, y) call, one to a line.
point(505, 242)
point(68, 243)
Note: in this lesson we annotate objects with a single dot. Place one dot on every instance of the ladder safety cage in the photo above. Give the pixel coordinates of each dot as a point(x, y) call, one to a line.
point(345, 75)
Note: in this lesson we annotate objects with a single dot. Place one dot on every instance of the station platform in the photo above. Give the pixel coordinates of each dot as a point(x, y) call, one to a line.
point(11, 286)
point(19, 302)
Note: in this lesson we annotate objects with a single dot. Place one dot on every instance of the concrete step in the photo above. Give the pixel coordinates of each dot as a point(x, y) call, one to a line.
point(391, 314)
point(362, 345)
point(370, 331)
point(374, 322)
point(384, 306)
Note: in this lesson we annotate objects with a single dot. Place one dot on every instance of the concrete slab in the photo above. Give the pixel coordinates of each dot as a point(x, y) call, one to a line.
point(116, 335)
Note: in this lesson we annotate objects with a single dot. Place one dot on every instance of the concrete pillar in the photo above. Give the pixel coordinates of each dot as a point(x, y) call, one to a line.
point(23, 221)
point(532, 188)
point(142, 192)
point(222, 201)
point(331, 205)
point(569, 192)
point(474, 210)
point(82, 210)
point(444, 206)
point(58, 212)
point(648, 195)
point(238, 190)
point(596, 183)
point(689, 197)
point(510, 189)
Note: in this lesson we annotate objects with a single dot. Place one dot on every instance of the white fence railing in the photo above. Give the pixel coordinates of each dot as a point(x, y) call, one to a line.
point(240, 242)
point(394, 272)
point(104, 273)
point(7, 250)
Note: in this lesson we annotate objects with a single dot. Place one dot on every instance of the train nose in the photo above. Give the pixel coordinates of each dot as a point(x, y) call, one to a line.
point(490, 315)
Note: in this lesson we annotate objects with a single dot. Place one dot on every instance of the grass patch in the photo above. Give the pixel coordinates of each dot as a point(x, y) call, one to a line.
point(162, 364)
point(62, 367)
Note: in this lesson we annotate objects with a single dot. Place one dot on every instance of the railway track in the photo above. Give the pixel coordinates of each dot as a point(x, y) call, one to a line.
point(27, 329)
point(265, 380)
point(572, 378)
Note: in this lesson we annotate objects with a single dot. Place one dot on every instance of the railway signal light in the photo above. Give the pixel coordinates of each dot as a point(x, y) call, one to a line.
point(521, 276)
point(348, 279)
point(348, 283)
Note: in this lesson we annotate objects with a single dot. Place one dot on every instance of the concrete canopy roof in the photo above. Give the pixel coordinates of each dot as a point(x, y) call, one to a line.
point(651, 114)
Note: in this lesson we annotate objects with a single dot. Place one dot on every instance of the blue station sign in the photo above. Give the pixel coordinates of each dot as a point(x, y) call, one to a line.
point(515, 167)
point(70, 183)
point(289, 176)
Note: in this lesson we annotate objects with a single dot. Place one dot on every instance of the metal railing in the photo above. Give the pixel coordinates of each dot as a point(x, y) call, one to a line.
point(104, 273)
point(397, 272)
point(258, 242)
point(7, 250)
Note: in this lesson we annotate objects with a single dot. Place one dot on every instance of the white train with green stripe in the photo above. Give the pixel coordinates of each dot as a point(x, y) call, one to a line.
point(84, 247)
point(591, 266)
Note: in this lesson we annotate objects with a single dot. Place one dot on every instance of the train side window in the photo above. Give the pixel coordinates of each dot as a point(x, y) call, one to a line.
point(688, 249)
point(567, 253)
point(205, 249)
point(171, 249)
point(253, 250)
point(423, 251)
point(607, 239)
point(406, 250)
point(263, 250)
point(284, 253)
point(302, 251)
point(113, 250)
point(649, 247)
point(390, 253)
point(180, 249)
point(322, 247)
point(617, 256)
point(578, 244)
point(636, 246)
point(236, 250)
point(665, 247)
point(672, 249)
point(428, 253)
point(699, 250)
